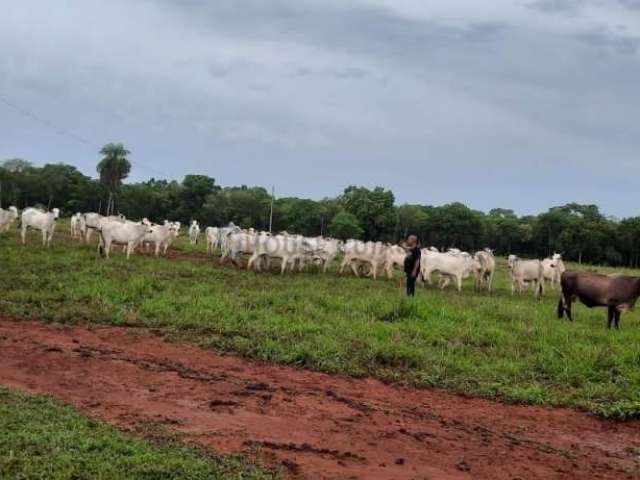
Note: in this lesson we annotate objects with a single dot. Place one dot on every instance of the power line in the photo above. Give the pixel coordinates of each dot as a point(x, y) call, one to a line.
point(64, 132)
point(33, 116)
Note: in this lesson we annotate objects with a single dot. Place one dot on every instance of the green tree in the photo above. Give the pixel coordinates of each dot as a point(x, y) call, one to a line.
point(412, 219)
point(16, 165)
point(456, 225)
point(113, 169)
point(344, 225)
point(374, 210)
point(193, 194)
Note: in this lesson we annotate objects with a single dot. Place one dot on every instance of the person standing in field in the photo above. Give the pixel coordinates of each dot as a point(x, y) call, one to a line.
point(412, 264)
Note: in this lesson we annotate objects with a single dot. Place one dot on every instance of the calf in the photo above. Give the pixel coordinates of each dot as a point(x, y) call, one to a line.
point(618, 293)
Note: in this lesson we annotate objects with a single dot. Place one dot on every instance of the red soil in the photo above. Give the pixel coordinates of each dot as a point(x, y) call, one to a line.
point(309, 424)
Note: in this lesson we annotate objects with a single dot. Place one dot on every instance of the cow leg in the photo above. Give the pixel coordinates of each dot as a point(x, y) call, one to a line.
point(561, 307)
point(568, 307)
point(354, 268)
point(327, 263)
point(251, 261)
point(343, 265)
point(611, 313)
point(53, 229)
point(616, 317)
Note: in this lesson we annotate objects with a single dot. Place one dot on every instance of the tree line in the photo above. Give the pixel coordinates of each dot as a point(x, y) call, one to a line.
point(581, 232)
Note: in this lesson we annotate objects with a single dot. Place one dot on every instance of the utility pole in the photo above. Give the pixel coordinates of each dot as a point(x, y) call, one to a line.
point(273, 189)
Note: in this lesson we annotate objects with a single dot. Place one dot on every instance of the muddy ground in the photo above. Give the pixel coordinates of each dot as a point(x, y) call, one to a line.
point(308, 424)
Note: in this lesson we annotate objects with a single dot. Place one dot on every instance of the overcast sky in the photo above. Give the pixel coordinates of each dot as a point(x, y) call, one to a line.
point(501, 103)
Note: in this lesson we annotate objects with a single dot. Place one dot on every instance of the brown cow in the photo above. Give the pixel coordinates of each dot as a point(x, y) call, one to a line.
point(618, 293)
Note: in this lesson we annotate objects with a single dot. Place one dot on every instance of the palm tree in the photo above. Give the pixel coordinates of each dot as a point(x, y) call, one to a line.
point(113, 168)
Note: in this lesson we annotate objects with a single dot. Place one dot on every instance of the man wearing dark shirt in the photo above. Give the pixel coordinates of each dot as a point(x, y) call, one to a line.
point(412, 264)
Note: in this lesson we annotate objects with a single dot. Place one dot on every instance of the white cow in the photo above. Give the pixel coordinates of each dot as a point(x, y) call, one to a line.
point(524, 272)
point(40, 220)
point(161, 236)
point(213, 239)
point(126, 233)
point(359, 254)
point(394, 257)
point(77, 226)
point(488, 267)
point(236, 243)
point(93, 221)
point(329, 249)
point(194, 232)
point(288, 249)
point(450, 266)
point(7, 217)
point(552, 269)
point(324, 249)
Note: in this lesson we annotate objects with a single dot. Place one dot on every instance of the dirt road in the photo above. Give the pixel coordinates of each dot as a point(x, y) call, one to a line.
point(309, 424)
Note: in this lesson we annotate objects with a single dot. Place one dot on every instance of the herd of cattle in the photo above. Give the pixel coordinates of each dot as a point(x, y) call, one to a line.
point(295, 252)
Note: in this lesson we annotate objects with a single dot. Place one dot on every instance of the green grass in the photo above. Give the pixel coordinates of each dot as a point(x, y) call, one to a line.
point(493, 345)
point(43, 439)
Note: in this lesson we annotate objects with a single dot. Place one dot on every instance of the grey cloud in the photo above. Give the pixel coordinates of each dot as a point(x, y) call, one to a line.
point(621, 44)
point(630, 4)
point(350, 72)
point(567, 7)
point(218, 70)
point(312, 96)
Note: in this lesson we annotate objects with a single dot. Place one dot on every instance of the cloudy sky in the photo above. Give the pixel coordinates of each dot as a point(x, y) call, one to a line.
point(522, 104)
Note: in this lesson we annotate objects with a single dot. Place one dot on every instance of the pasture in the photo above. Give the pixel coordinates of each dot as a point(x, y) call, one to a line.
point(493, 345)
point(42, 438)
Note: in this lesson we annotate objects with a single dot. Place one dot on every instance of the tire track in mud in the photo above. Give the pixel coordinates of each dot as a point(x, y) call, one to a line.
point(307, 424)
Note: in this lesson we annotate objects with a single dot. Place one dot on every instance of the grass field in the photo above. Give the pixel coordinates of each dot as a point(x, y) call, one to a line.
point(493, 345)
point(44, 439)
